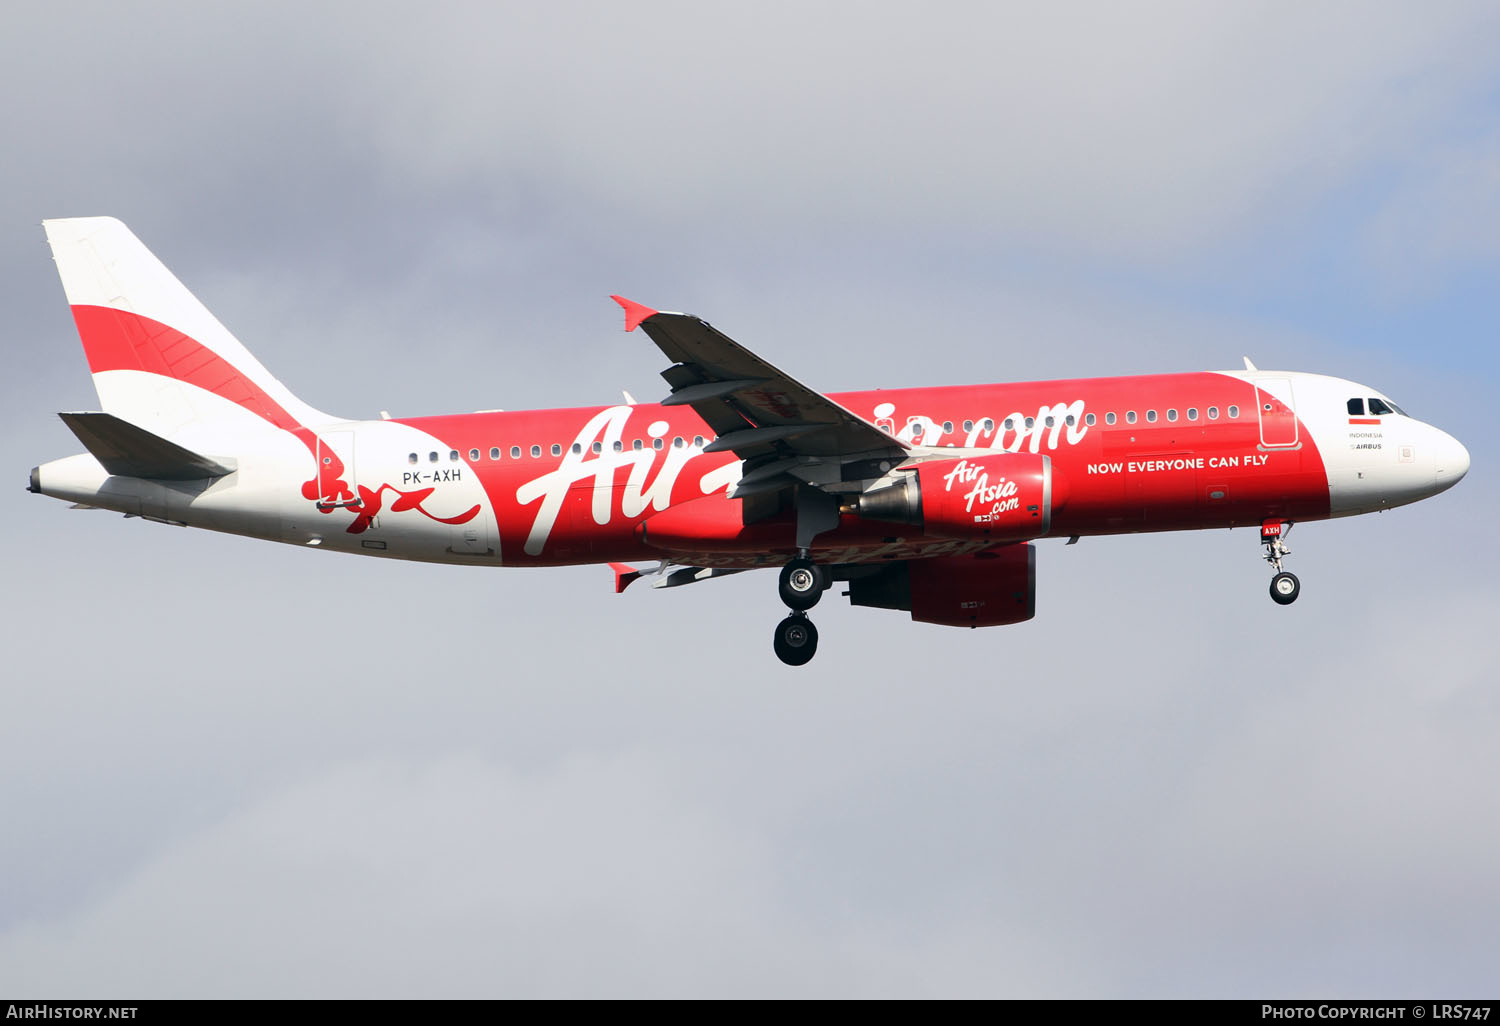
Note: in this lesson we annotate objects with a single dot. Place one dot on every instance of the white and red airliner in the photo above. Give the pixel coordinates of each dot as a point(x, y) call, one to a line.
point(923, 499)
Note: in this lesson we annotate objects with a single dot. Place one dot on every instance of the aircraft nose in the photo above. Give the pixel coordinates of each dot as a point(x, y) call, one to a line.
point(1451, 459)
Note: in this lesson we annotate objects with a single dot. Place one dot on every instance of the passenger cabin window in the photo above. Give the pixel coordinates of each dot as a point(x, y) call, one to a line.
point(697, 441)
point(1356, 407)
point(1171, 414)
point(495, 453)
point(617, 446)
point(473, 455)
point(947, 427)
point(515, 452)
point(432, 457)
point(657, 443)
point(636, 445)
point(1089, 419)
point(989, 425)
point(1010, 424)
point(1030, 423)
point(1234, 412)
point(536, 452)
point(1213, 413)
point(597, 448)
point(1192, 413)
point(1151, 416)
point(678, 443)
point(412, 458)
point(968, 426)
point(1109, 418)
point(1130, 416)
point(453, 455)
point(577, 449)
point(556, 449)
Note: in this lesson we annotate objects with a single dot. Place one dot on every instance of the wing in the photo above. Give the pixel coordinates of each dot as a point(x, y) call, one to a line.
point(763, 415)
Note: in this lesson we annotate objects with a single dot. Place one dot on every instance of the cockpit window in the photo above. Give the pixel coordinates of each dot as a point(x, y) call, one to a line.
point(1356, 407)
point(1379, 408)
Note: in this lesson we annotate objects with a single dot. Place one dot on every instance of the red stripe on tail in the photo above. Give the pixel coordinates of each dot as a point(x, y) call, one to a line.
point(116, 340)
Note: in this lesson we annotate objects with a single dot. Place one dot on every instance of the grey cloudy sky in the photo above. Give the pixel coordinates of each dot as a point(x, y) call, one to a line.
point(232, 768)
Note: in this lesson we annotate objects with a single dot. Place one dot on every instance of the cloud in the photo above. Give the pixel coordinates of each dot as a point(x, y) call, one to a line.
point(1098, 130)
point(460, 878)
point(1445, 221)
point(1186, 804)
point(1095, 131)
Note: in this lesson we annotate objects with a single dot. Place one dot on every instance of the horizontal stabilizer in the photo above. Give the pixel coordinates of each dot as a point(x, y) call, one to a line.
point(129, 451)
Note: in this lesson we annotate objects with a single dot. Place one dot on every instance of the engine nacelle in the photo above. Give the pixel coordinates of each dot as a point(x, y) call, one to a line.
point(986, 589)
point(1006, 496)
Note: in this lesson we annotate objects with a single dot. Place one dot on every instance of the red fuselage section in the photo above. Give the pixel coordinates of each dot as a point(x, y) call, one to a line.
point(1152, 453)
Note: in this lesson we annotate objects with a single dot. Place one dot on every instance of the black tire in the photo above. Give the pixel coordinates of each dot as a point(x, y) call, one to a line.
point(802, 584)
point(1285, 588)
point(796, 640)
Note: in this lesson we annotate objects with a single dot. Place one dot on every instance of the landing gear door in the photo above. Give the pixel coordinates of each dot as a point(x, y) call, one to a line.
point(1277, 410)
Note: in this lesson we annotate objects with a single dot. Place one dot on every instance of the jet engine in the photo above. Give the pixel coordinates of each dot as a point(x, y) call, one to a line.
point(1001, 497)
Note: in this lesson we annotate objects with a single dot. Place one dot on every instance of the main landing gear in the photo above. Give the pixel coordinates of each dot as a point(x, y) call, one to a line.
point(1284, 586)
point(802, 584)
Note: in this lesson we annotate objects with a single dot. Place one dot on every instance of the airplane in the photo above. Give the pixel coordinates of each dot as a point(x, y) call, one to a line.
point(923, 500)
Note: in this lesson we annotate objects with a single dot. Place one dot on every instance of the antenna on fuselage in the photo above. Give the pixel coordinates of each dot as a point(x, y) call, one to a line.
point(1248, 365)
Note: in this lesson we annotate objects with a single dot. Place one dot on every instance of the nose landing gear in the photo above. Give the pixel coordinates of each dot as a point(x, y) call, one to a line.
point(802, 584)
point(1284, 586)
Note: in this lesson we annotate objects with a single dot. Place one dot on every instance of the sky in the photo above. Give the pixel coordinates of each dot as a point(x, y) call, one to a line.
point(236, 769)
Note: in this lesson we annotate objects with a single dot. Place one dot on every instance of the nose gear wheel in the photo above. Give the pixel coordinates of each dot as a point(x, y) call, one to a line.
point(1284, 586)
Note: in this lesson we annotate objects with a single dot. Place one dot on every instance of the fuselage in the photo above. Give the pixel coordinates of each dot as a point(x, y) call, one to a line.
point(616, 483)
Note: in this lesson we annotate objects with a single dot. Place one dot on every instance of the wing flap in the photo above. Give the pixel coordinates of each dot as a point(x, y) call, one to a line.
point(692, 575)
point(690, 394)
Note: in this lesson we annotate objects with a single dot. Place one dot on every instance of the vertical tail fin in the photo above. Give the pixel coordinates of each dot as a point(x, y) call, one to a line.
point(160, 360)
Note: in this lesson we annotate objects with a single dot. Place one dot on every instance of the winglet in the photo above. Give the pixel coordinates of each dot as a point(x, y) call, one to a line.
point(625, 575)
point(635, 312)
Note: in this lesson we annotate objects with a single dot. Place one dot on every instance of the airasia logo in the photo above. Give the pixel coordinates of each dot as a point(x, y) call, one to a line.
point(641, 491)
point(1002, 494)
point(1054, 423)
